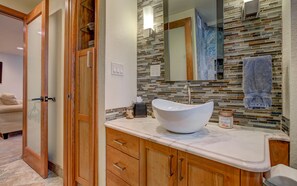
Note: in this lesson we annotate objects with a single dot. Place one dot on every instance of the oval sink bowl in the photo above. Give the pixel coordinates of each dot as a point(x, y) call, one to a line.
point(182, 118)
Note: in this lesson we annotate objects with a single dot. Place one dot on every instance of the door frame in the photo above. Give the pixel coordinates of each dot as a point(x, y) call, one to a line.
point(69, 92)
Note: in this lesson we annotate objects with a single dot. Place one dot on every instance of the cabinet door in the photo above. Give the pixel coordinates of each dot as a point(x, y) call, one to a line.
point(158, 164)
point(194, 170)
point(84, 118)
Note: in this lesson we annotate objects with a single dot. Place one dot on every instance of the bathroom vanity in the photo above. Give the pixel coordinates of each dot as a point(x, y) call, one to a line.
point(141, 152)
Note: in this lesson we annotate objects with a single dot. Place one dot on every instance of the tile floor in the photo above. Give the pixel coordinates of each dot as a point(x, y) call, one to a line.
point(15, 172)
point(10, 149)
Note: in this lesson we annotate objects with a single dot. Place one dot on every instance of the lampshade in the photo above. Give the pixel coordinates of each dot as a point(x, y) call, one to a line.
point(148, 17)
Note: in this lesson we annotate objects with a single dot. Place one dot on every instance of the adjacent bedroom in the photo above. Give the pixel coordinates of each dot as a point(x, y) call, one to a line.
point(11, 89)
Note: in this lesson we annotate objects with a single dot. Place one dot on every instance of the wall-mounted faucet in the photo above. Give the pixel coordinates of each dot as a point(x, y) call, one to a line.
point(188, 87)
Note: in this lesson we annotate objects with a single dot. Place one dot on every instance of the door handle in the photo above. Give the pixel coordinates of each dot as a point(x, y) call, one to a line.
point(47, 99)
point(41, 99)
point(89, 59)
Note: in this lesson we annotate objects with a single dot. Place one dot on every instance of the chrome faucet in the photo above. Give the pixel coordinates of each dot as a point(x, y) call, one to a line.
point(188, 87)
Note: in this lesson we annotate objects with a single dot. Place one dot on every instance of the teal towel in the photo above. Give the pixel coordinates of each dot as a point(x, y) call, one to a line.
point(257, 82)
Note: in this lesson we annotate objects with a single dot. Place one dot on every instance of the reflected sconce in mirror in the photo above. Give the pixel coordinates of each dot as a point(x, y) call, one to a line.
point(148, 21)
point(250, 9)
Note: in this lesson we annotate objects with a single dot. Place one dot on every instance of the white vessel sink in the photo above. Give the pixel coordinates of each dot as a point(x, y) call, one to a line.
point(182, 118)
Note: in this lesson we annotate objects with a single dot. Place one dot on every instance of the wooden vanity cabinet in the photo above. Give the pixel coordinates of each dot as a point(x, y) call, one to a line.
point(135, 161)
point(161, 165)
point(158, 164)
point(122, 159)
point(194, 170)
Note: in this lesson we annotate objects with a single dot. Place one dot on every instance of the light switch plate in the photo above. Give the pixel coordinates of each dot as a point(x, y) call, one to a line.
point(117, 69)
point(155, 70)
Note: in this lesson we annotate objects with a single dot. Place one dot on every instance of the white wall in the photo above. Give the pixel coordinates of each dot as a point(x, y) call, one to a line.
point(290, 72)
point(56, 81)
point(121, 47)
point(12, 77)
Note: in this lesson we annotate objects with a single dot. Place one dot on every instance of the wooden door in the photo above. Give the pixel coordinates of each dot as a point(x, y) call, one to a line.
point(158, 164)
point(35, 114)
point(84, 138)
point(194, 170)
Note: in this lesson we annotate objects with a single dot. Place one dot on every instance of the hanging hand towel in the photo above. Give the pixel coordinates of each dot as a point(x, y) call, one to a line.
point(257, 82)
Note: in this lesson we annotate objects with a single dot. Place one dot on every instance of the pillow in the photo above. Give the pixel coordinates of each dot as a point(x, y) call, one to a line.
point(9, 99)
point(7, 96)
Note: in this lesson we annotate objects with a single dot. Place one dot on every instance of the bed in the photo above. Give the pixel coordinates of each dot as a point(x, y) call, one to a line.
point(11, 119)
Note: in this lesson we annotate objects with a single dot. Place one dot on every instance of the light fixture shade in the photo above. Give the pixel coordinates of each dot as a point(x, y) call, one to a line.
point(148, 17)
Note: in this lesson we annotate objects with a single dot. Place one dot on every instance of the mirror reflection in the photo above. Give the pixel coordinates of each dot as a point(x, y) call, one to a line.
point(194, 40)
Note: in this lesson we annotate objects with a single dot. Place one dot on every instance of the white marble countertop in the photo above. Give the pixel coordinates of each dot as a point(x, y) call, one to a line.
point(243, 147)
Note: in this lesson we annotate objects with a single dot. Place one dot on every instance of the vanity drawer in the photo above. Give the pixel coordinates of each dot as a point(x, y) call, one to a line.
point(123, 142)
point(122, 165)
point(113, 180)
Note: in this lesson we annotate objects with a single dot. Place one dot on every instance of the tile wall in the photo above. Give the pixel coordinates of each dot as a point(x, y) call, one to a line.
point(256, 37)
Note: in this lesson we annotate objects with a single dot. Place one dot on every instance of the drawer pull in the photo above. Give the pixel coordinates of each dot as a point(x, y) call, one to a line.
point(116, 165)
point(119, 142)
point(180, 169)
point(170, 158)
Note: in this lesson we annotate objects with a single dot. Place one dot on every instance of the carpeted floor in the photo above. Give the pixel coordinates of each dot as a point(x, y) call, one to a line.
point(10, 149)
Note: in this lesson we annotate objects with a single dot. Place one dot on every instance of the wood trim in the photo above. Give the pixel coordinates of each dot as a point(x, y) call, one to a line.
point(55, 169)
point(69, 83)
point(279, 152)
point(12, 13)
point(71, 47)
point(187, 23)
point(38, 162)
point(37, 11)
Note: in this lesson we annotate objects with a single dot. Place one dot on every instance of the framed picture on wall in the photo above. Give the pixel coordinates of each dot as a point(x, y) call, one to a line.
point(1, 67)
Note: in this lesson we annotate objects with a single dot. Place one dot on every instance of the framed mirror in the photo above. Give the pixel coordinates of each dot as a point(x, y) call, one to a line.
point(194, 40)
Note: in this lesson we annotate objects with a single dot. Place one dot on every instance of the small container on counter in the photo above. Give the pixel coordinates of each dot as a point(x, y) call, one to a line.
point(226, 119)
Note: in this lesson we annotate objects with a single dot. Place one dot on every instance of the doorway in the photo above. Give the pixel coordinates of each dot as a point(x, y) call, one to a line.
point(11, 89)
point(55, 79)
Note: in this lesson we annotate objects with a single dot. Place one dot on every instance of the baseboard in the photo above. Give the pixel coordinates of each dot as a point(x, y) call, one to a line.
point(55, 169)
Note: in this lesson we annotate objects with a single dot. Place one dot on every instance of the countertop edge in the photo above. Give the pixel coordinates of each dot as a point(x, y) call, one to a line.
point(256, 167)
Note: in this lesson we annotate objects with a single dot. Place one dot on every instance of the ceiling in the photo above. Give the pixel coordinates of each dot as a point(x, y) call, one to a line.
point(24, 6)
point(206, 8)
point(11, 35)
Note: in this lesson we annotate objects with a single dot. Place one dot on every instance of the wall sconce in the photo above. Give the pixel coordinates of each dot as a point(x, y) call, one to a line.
point(148, 21)
point(250, 9)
